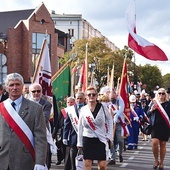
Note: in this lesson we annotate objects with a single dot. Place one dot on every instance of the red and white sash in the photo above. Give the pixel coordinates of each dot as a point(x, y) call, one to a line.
point(162, 111)
point(73, 117)
point(91, 122)
point(133, 112)
point(125, 131)
point(17, 124)
point(97, 130)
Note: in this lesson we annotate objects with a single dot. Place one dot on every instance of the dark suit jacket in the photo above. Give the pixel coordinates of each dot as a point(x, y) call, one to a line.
point(13, 153)
point(46, 106)
point(69, 132)
point(4, 97)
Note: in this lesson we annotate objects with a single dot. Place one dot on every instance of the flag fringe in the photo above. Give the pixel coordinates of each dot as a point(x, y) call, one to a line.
point(60, 70)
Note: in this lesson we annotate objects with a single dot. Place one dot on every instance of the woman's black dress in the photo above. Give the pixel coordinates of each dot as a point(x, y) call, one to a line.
point(160, 129)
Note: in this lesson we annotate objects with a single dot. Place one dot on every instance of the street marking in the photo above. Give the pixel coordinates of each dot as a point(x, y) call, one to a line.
point(124, 165)
point(131, 157)
point(136, 152)
point(140, 147)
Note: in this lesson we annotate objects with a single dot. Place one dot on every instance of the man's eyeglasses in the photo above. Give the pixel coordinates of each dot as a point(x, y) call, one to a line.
point(91, 94)
point(34, 91)
point(161, 93)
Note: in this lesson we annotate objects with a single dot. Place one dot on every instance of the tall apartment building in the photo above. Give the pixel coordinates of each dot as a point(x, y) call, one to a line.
point(78, 28)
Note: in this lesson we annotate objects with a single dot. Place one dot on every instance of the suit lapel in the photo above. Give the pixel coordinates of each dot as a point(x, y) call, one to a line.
point(24, 108)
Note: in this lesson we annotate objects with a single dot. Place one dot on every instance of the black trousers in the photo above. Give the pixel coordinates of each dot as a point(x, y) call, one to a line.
point(71, 153)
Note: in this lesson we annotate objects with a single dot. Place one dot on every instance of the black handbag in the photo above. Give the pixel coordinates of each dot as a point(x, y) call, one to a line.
point(146, 128)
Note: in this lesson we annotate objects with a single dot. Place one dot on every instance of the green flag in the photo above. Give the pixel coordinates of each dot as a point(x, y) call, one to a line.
point(61, 84)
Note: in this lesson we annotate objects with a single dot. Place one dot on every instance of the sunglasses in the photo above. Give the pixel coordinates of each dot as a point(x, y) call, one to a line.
point(91, 94)
point(161, 93)
point(34, 91)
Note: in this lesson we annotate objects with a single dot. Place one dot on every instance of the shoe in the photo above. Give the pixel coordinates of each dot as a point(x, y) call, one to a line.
point(156, 166)
point(120, 158)
point(112, 162)
point(129, 148)
point(58, 163)
point(161, 168)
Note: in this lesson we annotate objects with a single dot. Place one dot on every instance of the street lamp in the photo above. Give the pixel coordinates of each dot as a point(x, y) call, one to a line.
point(92, 67)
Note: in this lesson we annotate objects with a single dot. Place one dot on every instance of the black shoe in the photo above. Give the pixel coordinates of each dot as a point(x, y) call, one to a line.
point(155, 166)
point(120, 158)
point(129, 148)
point(58, 163)
point(112, 162)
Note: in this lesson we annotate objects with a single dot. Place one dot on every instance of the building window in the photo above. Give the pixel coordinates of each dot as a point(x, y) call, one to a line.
point(37, 40)
point(71, 32)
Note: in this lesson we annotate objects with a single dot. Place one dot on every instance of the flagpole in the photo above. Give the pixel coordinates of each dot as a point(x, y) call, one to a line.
point(112, 78)
point(108, 76)
point(62, 68)
point(86, 60)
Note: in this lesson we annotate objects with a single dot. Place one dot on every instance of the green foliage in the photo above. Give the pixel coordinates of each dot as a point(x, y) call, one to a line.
point(151, 76)
point(103, 57)
point(166, 80)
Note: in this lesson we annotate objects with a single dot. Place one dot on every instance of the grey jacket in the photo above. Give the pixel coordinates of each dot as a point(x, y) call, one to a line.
point(13, 153)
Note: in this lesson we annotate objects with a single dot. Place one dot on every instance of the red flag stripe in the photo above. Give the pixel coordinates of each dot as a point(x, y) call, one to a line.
point(17, 130)
point(139, 44)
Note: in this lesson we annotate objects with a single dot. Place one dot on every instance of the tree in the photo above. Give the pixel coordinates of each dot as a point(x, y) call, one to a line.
point(151, 76)
point(166, 81)
point(100, 55)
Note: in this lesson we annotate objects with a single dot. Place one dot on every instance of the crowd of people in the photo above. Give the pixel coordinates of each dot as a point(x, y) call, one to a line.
point(92, 124)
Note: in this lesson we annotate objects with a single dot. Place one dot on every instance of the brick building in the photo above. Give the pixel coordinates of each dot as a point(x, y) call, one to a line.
point(21, 36)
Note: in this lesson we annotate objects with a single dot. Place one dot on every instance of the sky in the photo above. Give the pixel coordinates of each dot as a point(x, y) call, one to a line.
point(108, 16)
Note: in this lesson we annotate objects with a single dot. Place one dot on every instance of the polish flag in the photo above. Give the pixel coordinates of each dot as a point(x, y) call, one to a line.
point(139, 44)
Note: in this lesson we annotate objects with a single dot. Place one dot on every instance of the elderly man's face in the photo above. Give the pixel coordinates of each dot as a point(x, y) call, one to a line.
point(14, 88)
point(35, 92)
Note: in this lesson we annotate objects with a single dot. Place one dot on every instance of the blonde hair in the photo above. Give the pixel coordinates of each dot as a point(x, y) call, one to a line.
point(166, 94)
point(104, 98)
point(91, 88)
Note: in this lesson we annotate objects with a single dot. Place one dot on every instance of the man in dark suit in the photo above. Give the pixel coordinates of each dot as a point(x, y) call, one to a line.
point(23, 132)
point(70, 133)
point(35, 91)
point(3, 94)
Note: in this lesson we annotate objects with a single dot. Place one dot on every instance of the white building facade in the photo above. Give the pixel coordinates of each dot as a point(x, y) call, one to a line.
point(78, 28)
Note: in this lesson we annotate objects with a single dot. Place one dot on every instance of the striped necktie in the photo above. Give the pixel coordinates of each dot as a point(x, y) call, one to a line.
point(13, 105)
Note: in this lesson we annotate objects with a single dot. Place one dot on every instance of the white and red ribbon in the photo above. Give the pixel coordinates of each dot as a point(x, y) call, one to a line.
point(73, 117)
point(17, 124)
point(162, 111)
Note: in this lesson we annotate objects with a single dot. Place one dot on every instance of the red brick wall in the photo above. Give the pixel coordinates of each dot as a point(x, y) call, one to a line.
point(20, 43)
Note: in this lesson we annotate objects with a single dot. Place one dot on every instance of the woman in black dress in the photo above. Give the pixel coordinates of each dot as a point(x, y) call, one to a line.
point(159, 113)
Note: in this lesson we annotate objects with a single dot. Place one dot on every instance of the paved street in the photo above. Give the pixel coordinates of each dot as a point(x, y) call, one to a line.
point(140, 159)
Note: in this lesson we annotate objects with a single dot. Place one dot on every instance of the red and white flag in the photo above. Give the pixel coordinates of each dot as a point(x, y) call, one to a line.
point(42, 73)
point(73, 77)
point(136, 42)
point(83, 78)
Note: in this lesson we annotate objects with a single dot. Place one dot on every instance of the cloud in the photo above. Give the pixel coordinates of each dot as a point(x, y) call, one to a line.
point(108, 16)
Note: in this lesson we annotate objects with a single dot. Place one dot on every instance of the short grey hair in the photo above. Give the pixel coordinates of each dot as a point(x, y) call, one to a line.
point(80, 93)
point(13, 76)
